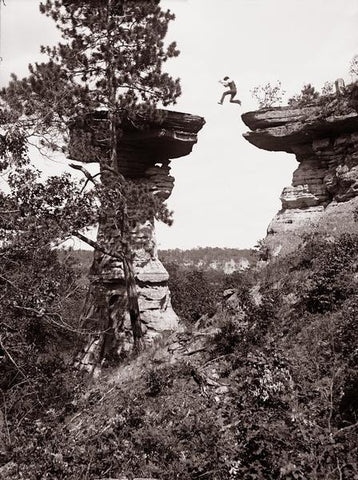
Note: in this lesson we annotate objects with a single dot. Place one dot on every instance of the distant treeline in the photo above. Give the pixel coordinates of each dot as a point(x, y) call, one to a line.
point(227, 259)
point(205, 258)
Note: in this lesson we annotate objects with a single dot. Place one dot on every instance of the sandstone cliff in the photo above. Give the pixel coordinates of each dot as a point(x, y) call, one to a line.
point(324, 138)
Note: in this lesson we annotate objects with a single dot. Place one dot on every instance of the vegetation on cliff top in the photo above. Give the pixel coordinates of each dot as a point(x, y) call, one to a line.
point(272, 94)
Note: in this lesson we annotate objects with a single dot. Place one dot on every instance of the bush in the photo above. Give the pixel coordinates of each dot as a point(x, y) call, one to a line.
point(294, 380)
point(194, 292)
point(307, 96)
point(331, 267)
point(40, 309)
point(353, 66)
point(268, 95)
point(159, 379)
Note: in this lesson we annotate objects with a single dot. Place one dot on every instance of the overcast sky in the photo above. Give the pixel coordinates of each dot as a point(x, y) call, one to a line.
point(226, 191)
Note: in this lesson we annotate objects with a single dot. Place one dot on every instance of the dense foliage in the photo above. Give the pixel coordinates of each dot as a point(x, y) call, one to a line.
point(353, 67)
point(194, 292)
point(39, 334)
point(110, 58)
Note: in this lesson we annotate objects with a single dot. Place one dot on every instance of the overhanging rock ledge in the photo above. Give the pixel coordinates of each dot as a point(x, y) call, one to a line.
point(324, 138)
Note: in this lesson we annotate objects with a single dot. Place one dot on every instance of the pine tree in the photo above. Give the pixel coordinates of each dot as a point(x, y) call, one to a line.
point(110, 59)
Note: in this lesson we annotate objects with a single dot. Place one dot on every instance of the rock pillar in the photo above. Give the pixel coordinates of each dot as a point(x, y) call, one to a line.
point(144, 156)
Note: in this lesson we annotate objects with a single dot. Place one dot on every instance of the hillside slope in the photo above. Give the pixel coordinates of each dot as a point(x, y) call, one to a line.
point(266, 389)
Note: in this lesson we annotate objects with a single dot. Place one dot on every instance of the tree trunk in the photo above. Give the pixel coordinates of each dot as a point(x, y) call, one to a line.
point(133, 305)
point(111, 298)
point(104, 302)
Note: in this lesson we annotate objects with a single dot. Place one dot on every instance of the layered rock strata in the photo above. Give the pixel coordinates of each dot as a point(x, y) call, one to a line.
point(145, 152)
point(324, 138)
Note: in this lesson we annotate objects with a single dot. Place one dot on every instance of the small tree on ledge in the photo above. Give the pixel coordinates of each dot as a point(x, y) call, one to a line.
point(307, 96)
point(268, 95)
point(353, 67)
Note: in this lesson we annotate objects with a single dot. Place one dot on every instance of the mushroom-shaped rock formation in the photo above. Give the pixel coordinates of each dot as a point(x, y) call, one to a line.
point(324, 138)
point(144, 153)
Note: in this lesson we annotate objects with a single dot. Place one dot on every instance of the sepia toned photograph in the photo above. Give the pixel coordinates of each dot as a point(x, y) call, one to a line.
point(178, 240)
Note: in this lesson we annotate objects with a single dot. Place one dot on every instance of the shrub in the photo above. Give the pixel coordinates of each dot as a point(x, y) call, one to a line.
point(159, 379)
point(329, 282)
point(328, 88)
point(268, 95)
point(194, 292)
point(38, 334)
point(307, 96)
point(353, 66)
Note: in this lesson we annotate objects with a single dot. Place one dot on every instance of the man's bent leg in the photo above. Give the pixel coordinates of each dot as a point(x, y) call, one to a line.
point(233, 95)
point(224, 95)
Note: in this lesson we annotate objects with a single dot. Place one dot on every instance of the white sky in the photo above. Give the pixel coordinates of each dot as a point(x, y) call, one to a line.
point(226, 191)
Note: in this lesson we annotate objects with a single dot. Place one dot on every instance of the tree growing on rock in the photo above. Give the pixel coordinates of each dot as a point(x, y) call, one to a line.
point(110, 60)
point(40, 295)
point(328, 88)
point(307, 96)
point(268, 95)
point(353, 67)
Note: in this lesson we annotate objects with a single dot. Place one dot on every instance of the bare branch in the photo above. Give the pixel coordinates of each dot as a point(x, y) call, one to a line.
point(86, 173)
point(344, 429)
point(9, 282)
point(13, 361)
point(97, 246)
point(50, 318)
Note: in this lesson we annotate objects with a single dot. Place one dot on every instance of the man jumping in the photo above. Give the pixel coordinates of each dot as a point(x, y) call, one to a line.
point(232, 90)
